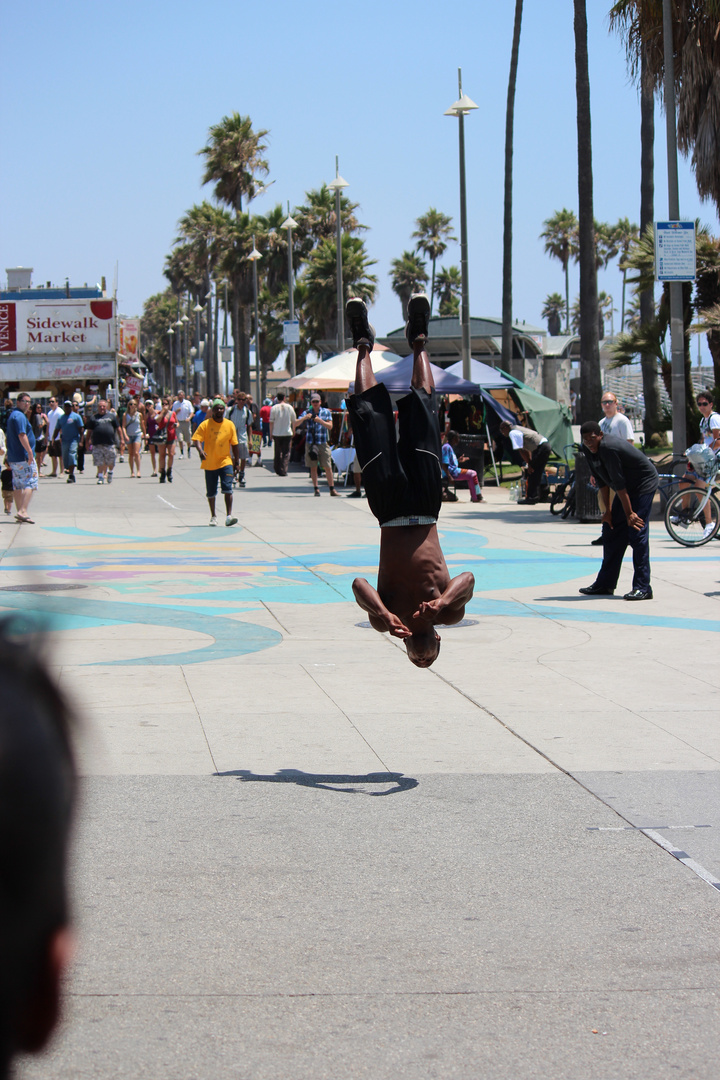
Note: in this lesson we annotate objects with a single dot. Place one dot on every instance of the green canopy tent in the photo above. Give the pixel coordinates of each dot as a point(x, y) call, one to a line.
point(551, 419)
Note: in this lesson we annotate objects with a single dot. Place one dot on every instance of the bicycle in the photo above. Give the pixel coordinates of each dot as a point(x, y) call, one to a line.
point(685, 513)
point(562, 500)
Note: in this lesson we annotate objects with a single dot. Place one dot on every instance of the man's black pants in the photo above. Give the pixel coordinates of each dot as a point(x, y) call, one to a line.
point(281, 458)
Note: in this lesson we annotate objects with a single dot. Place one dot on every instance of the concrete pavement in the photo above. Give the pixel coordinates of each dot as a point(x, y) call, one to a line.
point(300, 856)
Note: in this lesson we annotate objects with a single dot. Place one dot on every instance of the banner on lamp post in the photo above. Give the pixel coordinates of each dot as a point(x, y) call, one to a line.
point(129, 339)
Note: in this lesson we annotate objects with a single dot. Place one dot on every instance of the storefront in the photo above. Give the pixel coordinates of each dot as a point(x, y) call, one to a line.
point(54, 346)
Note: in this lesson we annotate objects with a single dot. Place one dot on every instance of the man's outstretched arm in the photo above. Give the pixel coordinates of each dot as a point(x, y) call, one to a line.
point(381, 619)
point(450, 607)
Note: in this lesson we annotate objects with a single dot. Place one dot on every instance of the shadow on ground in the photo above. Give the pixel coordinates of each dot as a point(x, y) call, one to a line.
point(328, 781)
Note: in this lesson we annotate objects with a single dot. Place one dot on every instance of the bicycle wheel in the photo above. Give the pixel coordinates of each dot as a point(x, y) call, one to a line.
point(686, 522)
point(569, 507)
point(557, 500)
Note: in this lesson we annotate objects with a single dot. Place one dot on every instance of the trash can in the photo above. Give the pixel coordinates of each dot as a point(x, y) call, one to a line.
point(474, 447)
point(587, 507)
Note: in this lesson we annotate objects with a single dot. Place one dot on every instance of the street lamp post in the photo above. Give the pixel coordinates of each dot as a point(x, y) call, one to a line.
point(178, 351)
point(253, 257)
point(677, 329)
point(337, 186)
point(171, 358)
point(198, 309)
point(289, 223)
point(462, 106)
point(186, 362)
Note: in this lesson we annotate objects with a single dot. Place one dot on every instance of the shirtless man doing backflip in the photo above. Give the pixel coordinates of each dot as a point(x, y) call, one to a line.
point(404, 489)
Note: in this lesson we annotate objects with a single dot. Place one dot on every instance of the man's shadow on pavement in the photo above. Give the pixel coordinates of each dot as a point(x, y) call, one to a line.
point(326, 781)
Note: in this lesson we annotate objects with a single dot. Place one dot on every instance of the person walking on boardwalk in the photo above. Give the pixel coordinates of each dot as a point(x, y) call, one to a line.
point(404, 489)
point(217, 444)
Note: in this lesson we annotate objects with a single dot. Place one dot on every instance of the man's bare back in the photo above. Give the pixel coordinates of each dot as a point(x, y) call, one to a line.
point(415, 592)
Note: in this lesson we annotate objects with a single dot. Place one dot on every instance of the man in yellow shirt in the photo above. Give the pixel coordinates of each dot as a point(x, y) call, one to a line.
point(217, 445)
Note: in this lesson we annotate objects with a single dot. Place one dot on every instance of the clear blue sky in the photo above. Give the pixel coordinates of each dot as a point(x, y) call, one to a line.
point(104, 107)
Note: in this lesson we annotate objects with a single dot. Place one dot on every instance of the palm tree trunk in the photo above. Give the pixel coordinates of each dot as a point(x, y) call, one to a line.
point(235, 324)
point(509, 364)
point(713, 340)
point(590, 378)
point(432, 289)
point(622, 305)
point(648, 361)
point(567, 296)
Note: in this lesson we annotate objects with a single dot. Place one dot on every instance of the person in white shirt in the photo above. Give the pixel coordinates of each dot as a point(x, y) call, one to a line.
point(282, 418)
point(53, 414)
point(184, 412)
point(710, 436)
point(612, 422)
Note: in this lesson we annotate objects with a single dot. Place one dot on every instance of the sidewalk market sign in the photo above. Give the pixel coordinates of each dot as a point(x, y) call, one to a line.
point(52, 339)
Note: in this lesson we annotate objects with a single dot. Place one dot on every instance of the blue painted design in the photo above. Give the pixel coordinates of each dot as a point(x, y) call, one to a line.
point(230, 638)
point(225, 574)
point(584, 613)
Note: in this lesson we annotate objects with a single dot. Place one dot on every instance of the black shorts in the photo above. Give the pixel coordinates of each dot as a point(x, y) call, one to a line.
point(401, 476)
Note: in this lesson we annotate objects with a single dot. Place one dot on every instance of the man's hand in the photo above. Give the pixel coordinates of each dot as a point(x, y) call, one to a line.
point(635, 522)
point(200, 451)
point(430, 610)
point(396, 627)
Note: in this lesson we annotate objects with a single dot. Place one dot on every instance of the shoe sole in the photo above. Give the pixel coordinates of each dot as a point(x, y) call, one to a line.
point(418, 317)
point(356, 311)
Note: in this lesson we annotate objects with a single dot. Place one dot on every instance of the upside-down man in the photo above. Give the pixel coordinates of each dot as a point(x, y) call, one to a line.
point(404, 489)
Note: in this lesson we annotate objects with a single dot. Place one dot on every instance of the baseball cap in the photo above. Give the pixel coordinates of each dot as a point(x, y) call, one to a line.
point(218, 401)
point(204, 403)
point(67, 403)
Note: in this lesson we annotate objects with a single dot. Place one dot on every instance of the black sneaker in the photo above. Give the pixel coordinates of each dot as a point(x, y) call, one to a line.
point(357, 316)
point(418, 318)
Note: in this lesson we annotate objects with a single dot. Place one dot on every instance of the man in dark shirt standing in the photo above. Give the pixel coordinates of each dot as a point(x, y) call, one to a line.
point(102, 427)
point(616, 464)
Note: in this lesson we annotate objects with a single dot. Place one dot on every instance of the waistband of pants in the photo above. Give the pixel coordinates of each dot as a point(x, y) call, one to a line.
point(421, 519)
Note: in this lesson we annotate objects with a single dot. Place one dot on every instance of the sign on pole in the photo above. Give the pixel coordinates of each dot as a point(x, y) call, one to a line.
point(675, 250)
point(291, 332)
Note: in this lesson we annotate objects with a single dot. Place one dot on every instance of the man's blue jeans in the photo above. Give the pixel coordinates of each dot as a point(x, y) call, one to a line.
point(617, 539)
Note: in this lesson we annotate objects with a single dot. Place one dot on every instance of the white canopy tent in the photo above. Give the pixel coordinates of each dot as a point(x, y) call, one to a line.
point(338, 372)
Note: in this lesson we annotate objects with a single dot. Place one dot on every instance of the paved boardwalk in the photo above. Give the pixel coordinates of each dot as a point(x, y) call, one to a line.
point(299, 856)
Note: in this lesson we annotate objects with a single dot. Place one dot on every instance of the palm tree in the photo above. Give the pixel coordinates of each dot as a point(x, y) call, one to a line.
point(408, 276)
point(590, 380)
point(606, 247)
point(317, 221)
point(696, 55)
point(560, 236)
point(507, 357)
point(433, 234)
point(625, 235)
point(605, 310)
point(202, 227)
point(319, 281)
point(553, 311)
point(707, 293)
point(448, 288)
point(624, 19)
point(575, 316)
point(159, 312)
point(233, 160)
